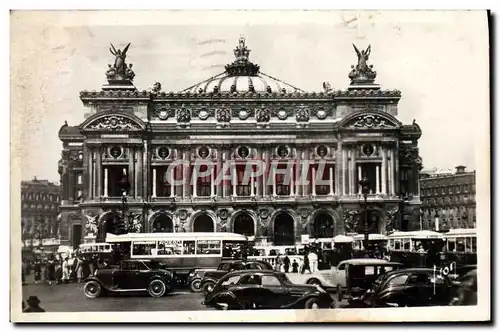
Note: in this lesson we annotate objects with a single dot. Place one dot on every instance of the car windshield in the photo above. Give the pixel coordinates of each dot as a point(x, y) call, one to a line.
point(379, 281)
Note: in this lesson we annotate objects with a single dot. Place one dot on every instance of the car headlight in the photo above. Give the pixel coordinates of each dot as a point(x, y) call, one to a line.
point(191, 274)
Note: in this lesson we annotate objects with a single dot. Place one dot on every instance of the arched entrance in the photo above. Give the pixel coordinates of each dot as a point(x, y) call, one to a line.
point(163, 224)
point(110, 223)
point(323, 225)
point(203, 223)
point(244, 224)
point(284, 230)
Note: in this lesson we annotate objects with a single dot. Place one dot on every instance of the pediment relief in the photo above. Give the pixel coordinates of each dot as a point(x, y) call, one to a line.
point(114, 122)
point(370, 121)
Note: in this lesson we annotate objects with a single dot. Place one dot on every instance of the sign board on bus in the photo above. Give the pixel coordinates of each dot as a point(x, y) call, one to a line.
point(208, 241)
point(173, 243)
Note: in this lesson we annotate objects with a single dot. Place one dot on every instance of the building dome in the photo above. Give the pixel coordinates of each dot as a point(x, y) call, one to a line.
point(242, 76)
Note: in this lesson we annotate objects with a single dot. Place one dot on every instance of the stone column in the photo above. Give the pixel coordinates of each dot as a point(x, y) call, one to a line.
point(140, 170)
point(234, 177)
point(297, 172)
point(224, 184)
point(389, 172)
point(265, 179)
point(185, 174)
point(154, 183)
point(136, 176)
point(252, 185)
point(353, 172)
point(344, 171)
point(377, 181)
point(397, 177)
point(212, 182)
point(331, 180)
point(130, 172)
point(218, 169)
point(105, 182)
point(172, 179)
point(195, 181)
point(273, 173)
point(313, 180)
point(384, 171)
point(258, 180)
point(292, 182)
point(304, 171)
point(360, 176)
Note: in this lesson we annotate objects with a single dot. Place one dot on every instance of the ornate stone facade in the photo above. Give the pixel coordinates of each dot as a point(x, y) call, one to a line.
point(135, 137)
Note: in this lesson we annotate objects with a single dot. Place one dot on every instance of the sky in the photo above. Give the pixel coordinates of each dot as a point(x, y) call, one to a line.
point(439, 61)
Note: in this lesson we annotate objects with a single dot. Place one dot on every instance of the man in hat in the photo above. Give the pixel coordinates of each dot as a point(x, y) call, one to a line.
point(33, 305)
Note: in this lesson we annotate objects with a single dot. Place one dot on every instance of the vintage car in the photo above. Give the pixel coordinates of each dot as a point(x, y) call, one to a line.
point(264, 289)
point(407, 288)
point(339, 274)
point(466, 292)
point(130, 276)
point(321, 278)
point(459, 272)
point(211, 277)
point(195, 277)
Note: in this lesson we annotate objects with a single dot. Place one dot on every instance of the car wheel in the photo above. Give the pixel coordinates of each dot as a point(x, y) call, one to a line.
point(340, 294)
point(92, 289)
point(314, 281)
point(157, 288)
point(313, 303)
point(208, 287)
point(195, 285)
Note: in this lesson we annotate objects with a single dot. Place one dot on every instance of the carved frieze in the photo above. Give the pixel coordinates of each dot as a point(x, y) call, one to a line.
point(302, 115)
point(263, 115)
point(370, 121)
point(351, 221)
point(223, 115)
point(164, 113)
point(321, 113)
point(203, 113)
point(183, 115)
point(91, 225)
point(113, 122)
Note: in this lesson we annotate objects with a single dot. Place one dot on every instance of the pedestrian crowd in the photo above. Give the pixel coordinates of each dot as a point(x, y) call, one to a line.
point(59, 270)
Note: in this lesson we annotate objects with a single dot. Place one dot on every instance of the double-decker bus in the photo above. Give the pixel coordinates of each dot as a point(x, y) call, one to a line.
point(180, 253)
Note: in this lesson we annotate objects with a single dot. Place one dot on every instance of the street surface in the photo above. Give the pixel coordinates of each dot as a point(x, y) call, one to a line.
point(70, 298)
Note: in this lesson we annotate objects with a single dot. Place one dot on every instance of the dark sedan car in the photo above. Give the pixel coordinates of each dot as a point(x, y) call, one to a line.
point(407, 288)
point(265, 289)
point(210, 278)
point(466, 293)
point(129, 276)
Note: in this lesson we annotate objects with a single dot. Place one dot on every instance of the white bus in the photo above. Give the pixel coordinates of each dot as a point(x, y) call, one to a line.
point(180, 252)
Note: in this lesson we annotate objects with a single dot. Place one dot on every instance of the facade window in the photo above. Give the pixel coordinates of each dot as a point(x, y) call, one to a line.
point(283, 179)
point(204, 183)
point(323, 173)
point(113, 182)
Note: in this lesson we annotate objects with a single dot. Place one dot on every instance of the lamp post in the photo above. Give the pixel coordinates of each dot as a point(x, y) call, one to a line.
point(364, 183)
point(124, 187)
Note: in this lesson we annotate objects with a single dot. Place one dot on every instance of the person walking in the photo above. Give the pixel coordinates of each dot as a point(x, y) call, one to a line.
point(38, 271)
point(313, 261)
point(279, 262)
point(306, 264)
point(286, 262)
point(51, 271)
point(33, 305)
point(79, 269)
point(295, 266)
point(65, 270)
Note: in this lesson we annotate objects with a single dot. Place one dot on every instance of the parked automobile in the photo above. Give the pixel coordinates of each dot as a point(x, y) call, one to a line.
point(407, 288)
point(130, 276)
point(320, 278)
point(264, 289)
point(363, 272)
point(211, 277)
point(466, 292)
point(195, 277)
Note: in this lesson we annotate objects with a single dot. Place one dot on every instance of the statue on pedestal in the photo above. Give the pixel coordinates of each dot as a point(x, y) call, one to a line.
point(362, 72)
point(119, 70)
